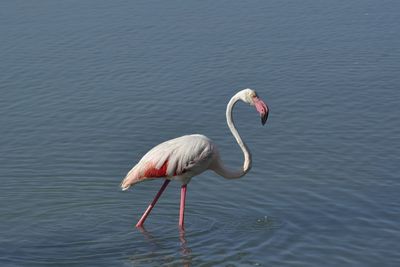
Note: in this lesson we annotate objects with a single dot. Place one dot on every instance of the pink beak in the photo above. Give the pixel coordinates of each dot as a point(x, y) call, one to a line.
point(262, 108)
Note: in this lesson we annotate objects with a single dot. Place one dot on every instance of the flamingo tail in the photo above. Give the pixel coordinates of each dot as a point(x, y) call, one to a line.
point(130, 179)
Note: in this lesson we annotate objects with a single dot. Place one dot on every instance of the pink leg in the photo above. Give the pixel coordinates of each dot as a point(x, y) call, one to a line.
point(182, 209)
point(153, 203)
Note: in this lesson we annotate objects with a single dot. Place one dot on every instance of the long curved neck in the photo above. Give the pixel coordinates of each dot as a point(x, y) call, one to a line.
point(221, 170)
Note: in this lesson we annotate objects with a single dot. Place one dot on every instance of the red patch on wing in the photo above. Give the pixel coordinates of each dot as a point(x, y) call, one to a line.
point(151, 171)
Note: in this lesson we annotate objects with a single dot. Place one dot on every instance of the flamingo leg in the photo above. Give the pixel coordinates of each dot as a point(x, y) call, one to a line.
point(152, 204)
point(182, 208)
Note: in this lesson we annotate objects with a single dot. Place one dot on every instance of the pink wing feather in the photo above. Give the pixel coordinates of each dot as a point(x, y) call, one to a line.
point(184, 157)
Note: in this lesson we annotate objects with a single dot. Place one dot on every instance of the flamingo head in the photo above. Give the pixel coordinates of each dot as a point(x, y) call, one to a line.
point(250, 97)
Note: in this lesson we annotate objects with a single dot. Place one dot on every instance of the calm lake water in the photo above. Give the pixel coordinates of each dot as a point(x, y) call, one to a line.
point(87, 87)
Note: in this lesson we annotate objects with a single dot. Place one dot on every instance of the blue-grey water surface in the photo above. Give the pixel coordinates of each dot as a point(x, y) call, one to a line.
point(87, 87)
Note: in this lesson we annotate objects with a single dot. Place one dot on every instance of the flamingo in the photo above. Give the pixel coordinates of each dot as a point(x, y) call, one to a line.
point(187, 156)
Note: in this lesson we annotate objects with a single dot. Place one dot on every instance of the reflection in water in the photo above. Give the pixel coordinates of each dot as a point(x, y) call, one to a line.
point(185, 251)
point(149, 237)
point(161, 248)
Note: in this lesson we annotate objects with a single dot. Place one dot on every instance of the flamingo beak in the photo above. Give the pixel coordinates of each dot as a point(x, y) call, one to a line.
point(262, 108)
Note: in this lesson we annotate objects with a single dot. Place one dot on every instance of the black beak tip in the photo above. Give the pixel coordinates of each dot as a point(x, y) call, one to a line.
point(264, 118)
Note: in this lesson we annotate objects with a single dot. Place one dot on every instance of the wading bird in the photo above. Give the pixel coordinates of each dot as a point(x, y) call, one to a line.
point(189, 155)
